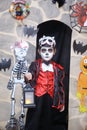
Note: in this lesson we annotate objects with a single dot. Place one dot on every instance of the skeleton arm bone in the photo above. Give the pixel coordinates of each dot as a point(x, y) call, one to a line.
point(10, 82)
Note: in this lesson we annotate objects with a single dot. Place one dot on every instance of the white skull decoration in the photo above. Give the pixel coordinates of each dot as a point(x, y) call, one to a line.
point(20, 50)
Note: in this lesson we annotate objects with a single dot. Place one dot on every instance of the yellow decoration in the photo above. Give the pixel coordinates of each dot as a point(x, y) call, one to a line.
point(82, 85)
point(78, 95)
point(82, 108)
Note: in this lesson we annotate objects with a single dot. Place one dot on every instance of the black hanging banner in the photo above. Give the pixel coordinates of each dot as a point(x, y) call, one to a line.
point(62, 34)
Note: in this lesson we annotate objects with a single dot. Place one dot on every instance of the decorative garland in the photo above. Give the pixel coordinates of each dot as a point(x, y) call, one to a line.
point(19, 9)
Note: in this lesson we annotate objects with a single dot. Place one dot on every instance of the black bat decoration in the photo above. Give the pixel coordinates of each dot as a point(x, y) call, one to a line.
point(5, 64)
point(29, 31)
point(79, 47)
point(60, 2)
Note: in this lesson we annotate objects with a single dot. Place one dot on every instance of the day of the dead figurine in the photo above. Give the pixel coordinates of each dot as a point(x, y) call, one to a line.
point(17, 77)
point(82, 85)
point(46, 77)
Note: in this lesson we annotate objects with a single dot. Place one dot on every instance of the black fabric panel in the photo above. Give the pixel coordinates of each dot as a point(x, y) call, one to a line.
point(62, 34)
point(44, 117)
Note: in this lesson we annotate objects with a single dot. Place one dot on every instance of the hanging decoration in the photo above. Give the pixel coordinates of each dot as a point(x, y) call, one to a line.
point(5, 64)
point(82, 85)
point(17, 77)
point(60, 2)
point(19, 9)
point(79, 47)
point(29, 31)
point(78, 17)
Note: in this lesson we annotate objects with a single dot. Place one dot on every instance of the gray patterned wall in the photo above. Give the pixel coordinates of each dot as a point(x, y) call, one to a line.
point(11, 31)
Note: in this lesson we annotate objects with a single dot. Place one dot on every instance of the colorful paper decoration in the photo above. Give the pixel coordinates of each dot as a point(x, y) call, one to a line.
point(82, 85)
point(19, 9)
point(78, 17)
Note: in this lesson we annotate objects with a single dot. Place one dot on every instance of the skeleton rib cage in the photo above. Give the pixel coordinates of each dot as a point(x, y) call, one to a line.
point(20, 68)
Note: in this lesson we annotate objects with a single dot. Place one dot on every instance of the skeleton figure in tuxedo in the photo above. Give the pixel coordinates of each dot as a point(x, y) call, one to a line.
point(17, 76)
point(46, 77)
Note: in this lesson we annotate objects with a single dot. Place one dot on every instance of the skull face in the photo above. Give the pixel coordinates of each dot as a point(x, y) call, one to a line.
point(20, 53)
point(46, 53)
point(20, 50)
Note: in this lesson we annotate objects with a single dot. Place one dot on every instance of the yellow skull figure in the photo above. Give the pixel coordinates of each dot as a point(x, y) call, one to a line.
point(82, 85)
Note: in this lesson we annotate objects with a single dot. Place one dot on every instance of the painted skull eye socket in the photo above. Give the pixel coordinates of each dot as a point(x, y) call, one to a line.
point(44, 50)
point(85, 61)
point(50, 50)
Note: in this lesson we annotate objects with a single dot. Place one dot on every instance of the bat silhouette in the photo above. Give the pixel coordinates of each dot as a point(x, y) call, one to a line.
point(60, 2)
point(79, 47)
point(5, 64)
point(29, 31)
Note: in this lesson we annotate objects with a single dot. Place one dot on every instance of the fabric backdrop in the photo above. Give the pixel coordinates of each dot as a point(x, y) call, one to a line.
point(62, 34)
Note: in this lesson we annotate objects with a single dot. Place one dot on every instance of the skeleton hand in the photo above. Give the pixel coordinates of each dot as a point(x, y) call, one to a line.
point(10, 85)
